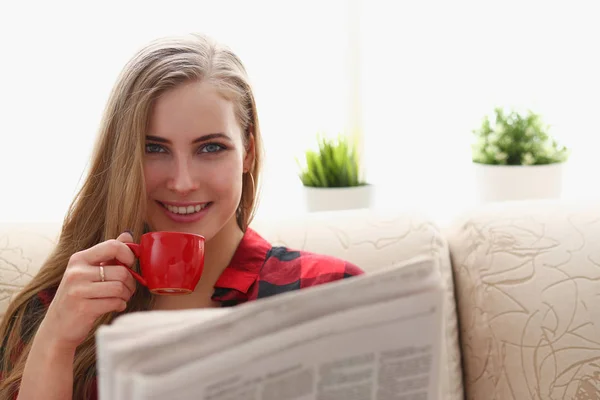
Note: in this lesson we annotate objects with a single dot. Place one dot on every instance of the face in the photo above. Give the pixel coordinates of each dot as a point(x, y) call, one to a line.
point(194, 160)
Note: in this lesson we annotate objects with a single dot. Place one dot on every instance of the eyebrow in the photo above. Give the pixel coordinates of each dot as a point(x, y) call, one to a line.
point(203, 138)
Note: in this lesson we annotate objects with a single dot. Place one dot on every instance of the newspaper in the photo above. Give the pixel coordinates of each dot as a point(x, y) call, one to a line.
point(375, 336)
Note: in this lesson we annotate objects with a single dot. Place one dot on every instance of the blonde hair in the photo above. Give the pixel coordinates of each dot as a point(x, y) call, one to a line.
point(112, 198)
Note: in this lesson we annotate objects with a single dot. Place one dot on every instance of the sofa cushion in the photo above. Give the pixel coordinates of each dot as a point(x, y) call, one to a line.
point(528, 291)
point(23, 249)
point(376, 240)
point(370, 240)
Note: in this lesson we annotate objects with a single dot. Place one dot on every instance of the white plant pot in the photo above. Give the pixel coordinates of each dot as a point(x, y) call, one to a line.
point(518, 182)
point(345, 198)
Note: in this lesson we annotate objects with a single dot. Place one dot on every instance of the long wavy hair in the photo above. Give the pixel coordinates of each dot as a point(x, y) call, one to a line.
point(112, 198)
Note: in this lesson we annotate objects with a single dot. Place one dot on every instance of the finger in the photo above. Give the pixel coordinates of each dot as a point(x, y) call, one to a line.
point(116, 273)
point(89, 274)
point(106, 251)
point(104, 290)
point(125, 237)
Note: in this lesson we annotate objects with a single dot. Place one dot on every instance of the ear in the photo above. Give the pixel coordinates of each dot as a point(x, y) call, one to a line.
point(250, 154)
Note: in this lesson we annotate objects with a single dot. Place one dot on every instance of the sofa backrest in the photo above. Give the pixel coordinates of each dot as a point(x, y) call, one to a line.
point(368, 239)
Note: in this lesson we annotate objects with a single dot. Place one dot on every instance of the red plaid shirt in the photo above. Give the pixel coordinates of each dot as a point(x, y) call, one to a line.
point(257, 270)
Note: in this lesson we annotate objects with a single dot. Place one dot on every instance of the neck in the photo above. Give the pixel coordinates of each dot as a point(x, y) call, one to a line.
point(218, 253)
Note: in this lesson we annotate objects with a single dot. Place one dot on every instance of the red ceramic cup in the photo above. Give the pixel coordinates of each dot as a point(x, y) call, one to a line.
point(171, 263)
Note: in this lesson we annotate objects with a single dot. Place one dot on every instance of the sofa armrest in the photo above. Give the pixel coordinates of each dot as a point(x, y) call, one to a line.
point(527, 278)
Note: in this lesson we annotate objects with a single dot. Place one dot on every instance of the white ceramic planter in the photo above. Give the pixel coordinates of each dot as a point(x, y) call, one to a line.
point(346, 198)
point(518, 182)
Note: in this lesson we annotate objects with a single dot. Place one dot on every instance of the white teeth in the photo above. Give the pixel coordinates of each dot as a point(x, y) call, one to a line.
point(185, 210)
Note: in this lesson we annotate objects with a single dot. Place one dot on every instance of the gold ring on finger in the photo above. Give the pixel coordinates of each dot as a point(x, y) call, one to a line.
point(102, 273)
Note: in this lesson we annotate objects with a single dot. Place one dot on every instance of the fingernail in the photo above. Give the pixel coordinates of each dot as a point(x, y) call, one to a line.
point(128, 231)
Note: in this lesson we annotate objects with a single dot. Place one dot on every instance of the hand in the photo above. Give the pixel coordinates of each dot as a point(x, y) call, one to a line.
point(82, 297)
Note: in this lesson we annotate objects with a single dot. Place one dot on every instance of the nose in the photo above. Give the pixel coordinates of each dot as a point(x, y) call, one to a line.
point(182, 180)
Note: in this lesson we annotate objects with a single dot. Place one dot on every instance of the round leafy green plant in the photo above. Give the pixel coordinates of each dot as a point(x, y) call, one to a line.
point(513, 138)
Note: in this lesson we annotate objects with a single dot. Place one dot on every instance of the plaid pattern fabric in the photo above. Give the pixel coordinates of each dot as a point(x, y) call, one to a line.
point(260, 270)
point(257, 270)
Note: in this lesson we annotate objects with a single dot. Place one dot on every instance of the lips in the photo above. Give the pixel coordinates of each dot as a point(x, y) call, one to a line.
point(185, 209)
point(185, 212)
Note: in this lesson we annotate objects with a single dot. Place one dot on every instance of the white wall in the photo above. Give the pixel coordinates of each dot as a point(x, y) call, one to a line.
point(61, 58)
point(428, 71)
point(432, 69)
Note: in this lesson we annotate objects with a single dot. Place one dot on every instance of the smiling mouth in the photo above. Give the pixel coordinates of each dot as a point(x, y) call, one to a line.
point(187, 210)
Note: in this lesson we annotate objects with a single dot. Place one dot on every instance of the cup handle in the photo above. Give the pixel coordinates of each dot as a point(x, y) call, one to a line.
point(136, 251)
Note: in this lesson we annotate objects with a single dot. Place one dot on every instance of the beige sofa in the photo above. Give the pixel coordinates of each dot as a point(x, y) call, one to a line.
point(523, 287)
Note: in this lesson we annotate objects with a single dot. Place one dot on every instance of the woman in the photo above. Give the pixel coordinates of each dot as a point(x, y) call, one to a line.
point(179, 150)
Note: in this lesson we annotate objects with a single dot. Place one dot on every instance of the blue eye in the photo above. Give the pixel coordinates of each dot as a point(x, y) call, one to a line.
point(212, 148)
point(154, 148)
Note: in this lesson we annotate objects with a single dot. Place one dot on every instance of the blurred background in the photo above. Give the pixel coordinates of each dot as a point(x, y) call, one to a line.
point(412, 78)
